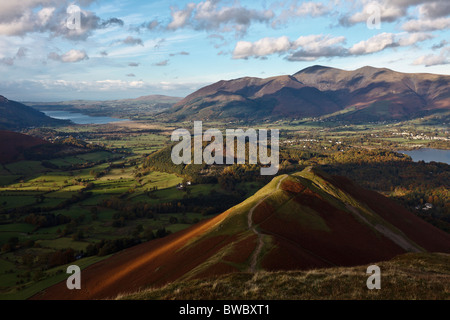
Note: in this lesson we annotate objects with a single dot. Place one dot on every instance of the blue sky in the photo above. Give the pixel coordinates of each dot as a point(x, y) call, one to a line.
point(127, 49)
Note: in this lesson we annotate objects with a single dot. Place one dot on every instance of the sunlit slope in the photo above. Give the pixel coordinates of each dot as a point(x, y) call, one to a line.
point(306, 220)
point(363, 95)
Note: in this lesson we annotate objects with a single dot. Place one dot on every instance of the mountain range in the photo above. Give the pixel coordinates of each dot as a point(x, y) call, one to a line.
point(363, 95)
point(127, 108)
point(302, 221)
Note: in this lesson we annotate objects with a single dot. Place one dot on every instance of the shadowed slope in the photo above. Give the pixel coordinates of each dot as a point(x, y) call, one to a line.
point(15, 115)
point(13, 144)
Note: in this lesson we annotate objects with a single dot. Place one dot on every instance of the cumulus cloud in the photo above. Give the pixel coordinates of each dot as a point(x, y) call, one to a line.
point(70, 56)
point(131, 75)
point(426, 25)
point(304, 48)
point(261, 48)
point(312, 9)
point(313, 47)
point(434, 60)
point(393, 10)
point(386, 40)
point(375, 44)
point(18, 18)
point(133, 64)
point(432, 14)
point(180, 17)
point(435, 9)
point(209, 15)
point(389, 10)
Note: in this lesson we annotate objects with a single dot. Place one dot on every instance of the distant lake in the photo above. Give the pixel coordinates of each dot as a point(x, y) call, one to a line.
point(429, 155)
point(79, 118)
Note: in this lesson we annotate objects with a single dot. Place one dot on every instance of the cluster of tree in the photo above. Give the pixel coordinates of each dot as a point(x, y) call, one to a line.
point(412, 183)
point(105, 247)
point(60, 257)
point(46, 220)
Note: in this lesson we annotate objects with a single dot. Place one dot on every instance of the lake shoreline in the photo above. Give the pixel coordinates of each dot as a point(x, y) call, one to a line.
point(428, 155)
point(80, 118)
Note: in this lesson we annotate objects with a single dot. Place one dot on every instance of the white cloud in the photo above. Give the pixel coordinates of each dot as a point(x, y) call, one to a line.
point(313, 47)
point(385, 40)
point(393, 10)
point(70, 56)
point(18, 18)
point(312, 9)
point(405, 40)
point(389, 11)
point(309, 47)
point(262, 47)
point(434, 60)
point(426, 25)
point(208, 15)
point(180, 17)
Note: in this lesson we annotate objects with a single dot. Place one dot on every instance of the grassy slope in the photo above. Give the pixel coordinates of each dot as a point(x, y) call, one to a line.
point(53, 276)
point(409, 276)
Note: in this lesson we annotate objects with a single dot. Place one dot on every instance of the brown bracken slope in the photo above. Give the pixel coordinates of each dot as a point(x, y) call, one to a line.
point(13, 144)
point(363, 95)
point(302, 221)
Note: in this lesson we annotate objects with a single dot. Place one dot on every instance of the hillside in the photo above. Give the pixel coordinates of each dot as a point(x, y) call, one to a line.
point(363, 95)
point(15, 115)
point(302, 221)
point(14, 144)
point(412, 276)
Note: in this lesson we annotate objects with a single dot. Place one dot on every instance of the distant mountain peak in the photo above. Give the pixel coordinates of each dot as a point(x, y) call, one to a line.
point(313, 69)
point(3, 99)
point(368, 94)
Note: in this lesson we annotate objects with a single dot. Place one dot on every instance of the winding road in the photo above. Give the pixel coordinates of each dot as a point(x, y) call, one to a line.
point(255, 254)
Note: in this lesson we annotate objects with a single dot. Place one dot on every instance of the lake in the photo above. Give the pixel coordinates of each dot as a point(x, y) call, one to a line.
point(80, 118)
point(429, 155)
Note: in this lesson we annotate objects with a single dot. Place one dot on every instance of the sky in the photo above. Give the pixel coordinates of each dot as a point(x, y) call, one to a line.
point(57, 50)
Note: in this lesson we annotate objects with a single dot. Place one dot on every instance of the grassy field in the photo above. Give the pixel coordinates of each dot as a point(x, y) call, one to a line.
point(50, 277)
